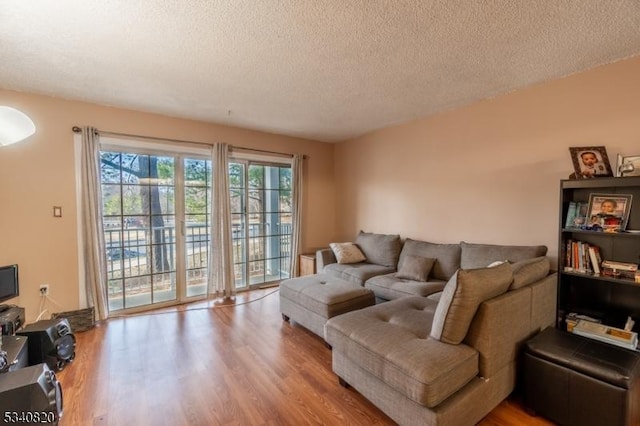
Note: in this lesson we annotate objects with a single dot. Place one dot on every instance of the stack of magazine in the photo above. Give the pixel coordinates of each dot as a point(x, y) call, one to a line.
point(620, 269)
point(607, 334)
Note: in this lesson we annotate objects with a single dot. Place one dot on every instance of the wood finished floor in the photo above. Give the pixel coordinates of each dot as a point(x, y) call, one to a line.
point(202, 364)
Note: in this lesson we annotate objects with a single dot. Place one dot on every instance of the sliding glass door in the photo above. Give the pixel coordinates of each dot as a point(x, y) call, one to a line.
point(156, 227)
point(261, 221)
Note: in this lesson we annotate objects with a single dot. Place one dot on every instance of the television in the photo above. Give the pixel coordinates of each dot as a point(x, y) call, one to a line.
point(8, 282)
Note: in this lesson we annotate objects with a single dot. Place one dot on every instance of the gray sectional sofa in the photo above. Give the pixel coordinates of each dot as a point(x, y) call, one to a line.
point(386, 255)
point(448, 358)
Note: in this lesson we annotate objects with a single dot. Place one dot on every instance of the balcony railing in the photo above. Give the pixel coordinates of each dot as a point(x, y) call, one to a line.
point(134, 254)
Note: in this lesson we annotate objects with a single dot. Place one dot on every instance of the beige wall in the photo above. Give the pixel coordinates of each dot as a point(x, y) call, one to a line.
point(38, 174)
point(488, 172)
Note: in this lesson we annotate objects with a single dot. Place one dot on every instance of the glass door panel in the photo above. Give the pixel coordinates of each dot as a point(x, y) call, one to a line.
point(197, 212)
point(238, 190)
point(150, 259)
point(261, 206)
point(138, 213)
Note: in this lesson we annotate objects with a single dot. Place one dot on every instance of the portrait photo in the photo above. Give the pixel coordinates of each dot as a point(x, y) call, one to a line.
point(609, 212)
point(590, 162)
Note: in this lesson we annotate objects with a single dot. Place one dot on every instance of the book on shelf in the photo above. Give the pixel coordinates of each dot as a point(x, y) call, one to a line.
point(607, 334)
point(571, 215)
point(595, 259)
point(576, 214)
point(582, 257)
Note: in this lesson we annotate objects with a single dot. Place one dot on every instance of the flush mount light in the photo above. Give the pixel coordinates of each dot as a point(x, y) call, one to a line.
point(14, 126)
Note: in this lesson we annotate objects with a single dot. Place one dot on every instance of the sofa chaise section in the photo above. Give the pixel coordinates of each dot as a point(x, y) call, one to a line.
point(388, 353)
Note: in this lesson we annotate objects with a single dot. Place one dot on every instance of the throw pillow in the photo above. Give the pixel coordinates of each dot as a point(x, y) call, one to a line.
point(347, 253)
point(462, 296)
point(447, 255)
point(529, 271)
point(415, 268)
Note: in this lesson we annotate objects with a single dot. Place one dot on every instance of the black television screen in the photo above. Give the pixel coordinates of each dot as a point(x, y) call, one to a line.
point(8, 282)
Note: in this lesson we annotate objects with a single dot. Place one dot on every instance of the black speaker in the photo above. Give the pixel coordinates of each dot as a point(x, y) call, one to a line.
point(50, 341)
point(30, 395)
point(16, 353)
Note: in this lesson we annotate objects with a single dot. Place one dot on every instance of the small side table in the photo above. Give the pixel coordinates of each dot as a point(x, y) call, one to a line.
point(307, 264)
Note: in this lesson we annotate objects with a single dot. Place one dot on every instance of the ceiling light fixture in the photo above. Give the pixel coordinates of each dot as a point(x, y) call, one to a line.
point(14, 126)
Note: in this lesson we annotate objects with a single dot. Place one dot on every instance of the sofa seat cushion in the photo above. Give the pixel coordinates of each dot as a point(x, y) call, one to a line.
point(481, 255)
point(356, 273)
point(391, 341)
point(390, 287)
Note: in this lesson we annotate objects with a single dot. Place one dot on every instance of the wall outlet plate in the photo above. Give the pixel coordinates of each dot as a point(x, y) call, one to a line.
point(44, 289)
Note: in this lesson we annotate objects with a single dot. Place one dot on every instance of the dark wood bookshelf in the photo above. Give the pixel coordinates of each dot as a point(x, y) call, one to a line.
point(607, 298)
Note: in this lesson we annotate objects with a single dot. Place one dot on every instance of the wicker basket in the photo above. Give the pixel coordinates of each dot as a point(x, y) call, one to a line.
point(79, 320)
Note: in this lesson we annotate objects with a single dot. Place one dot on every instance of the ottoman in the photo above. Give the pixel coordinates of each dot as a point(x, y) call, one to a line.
point(574, 380)
point(313, 299)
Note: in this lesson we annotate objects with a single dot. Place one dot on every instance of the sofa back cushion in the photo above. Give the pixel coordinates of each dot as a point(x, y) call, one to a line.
point(481, 255)
point(380, 249)
point(529, 271)
point(447, 256)
point(462, 295)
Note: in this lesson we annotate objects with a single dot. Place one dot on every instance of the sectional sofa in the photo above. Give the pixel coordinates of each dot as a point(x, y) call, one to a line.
point(444, 348)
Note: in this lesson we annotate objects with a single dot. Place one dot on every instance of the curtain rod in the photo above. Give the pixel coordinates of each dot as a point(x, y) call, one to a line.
point(77, 129)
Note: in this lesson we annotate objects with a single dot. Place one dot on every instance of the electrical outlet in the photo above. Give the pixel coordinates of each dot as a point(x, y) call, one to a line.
point(44, 289)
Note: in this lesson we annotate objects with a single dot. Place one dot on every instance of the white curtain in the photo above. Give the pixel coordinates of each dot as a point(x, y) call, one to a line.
point(92, 231)
point(296, 195)
point(221, 281)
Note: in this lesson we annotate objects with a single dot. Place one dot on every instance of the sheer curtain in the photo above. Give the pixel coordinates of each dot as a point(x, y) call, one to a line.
point(296, 199)
point(221, 281)
point(92, 231)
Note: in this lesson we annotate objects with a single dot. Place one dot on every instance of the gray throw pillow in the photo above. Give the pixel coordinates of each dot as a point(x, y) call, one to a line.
point(462, 296)
point(415, 268)
point(447, 256)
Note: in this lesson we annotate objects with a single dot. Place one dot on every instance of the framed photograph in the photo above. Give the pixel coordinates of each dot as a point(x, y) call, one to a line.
point(608, 212)
point(628, 166)
point(590, 162)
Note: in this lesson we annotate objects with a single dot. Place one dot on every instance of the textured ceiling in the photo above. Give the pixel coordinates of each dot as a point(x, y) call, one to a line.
point(326, 70)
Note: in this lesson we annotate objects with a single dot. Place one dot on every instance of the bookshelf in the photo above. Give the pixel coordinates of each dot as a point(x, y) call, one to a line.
point(608, 298)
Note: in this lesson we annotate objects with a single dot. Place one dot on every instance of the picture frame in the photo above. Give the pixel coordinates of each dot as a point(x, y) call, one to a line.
point(590, 162)
point(628, 165)
point(608, 212)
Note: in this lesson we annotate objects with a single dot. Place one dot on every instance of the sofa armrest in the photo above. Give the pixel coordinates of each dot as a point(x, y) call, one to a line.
point(324, 257)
